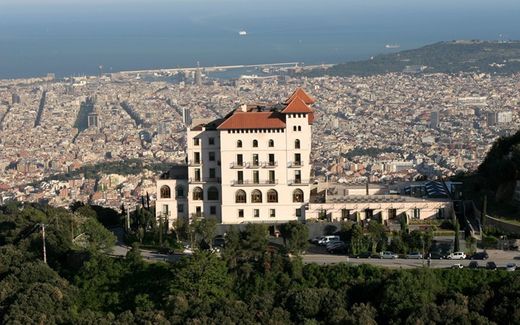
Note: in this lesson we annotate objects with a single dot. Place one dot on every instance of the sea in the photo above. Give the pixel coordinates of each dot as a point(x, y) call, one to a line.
point(72, 38)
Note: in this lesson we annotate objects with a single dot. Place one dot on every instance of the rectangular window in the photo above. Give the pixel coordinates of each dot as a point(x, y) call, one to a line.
point(180, 208)
point(212, 173)
point(297, 177)
point(272, 213)
point(198, 211)
point(255, 159)
point(240, 213)
point(298, 213)
point(240, 177)
point(240, 160)
point(212, 210)
point(271, 159)
point(211, 156)
point(197, 174)
point(256, 213)
point(256, 177)
point(271, 177)
point(211, 141)
point(196, 157)
point(297, 159)
point(196, 141)
point(417, 213)
point(165, 208)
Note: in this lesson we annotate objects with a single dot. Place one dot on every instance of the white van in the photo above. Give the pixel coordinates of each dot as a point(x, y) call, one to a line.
point(327, 239)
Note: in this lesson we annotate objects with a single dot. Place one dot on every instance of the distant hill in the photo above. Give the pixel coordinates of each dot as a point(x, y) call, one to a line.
point(446, 57)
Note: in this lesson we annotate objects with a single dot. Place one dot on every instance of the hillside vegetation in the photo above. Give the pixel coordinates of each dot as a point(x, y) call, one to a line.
point(445, 57)
point(248, 284)
point(496, 178)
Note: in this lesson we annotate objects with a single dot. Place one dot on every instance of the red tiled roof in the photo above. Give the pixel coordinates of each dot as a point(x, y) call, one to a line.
point(302, 95)
point(253, 120)
point(296, 105)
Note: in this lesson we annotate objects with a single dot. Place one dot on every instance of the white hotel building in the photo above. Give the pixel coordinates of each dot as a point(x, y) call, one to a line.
point(251, 166)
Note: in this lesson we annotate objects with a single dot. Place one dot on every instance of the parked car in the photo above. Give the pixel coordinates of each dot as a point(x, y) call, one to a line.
point(457, 266)
point(415, 256)
point(437, 256)
point(326, 239)
point(333, 242)
point(315, 240)
point(388, 255)
point(491, 266)
point(340, 248)
point(456, 256)
point(364, 255)
point(511, 267)
point(473, 265)
point(480, 256)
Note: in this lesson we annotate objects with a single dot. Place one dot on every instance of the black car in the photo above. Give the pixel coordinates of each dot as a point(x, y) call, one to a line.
point(473, 265)
point(479, 256)
point(338, 249)
point(437, 256)
point(364, 255)
point(491, 266)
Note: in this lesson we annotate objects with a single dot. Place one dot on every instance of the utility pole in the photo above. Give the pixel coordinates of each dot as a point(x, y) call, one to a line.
point(43, 242)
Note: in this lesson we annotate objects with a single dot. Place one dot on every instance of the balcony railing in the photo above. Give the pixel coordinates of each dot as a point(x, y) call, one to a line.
point(298, 182)
point(204, 180)
point(269, 164)
point(194, 162)
point(254, 164)
point(295, 164)
point(253, 183)
point(236, 165)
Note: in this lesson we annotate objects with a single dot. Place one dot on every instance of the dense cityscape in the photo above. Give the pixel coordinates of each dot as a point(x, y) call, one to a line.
point(389, 128)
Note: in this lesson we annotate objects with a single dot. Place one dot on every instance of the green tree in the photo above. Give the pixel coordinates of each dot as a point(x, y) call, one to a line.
point(205, 229)
point(295, 235)
point(456, 246)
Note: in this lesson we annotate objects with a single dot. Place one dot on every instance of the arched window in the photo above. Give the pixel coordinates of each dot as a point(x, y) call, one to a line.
point(297, 144)
point(198, 194)
point(271, 143)
point(239, 144)
point(272, 196)
point(240, 196)
point(212, 194)
point(256, 196)
point(165, 192)
point(180, 191)
point(255, 143)
point(297, 195)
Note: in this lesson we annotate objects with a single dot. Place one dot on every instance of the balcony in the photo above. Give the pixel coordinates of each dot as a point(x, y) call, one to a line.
point(194, 162)
point(236, 165)
point(196, 180)
point(298, 182)
point(268, 182)
point(253, 165)
point(270, 164)
point(295, 164)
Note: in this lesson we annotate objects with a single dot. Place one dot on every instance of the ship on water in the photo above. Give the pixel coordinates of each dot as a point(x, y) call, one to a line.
point(392, 46)
point(242, 33)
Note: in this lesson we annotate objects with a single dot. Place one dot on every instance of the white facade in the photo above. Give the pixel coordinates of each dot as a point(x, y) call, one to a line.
point(252, 166)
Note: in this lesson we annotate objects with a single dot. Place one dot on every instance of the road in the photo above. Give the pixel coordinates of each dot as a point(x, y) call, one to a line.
point(318, 255)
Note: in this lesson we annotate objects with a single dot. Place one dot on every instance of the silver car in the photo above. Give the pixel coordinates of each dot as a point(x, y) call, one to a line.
point(389, 255)
point(414, 256)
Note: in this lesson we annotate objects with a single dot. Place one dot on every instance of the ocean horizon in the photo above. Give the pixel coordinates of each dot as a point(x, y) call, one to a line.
point(68, 43)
